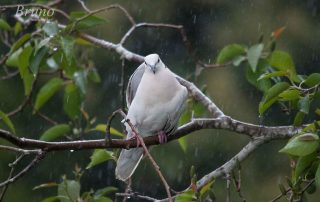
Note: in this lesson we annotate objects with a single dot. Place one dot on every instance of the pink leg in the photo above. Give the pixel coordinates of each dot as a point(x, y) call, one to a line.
point(162, 137)
point(136, 138)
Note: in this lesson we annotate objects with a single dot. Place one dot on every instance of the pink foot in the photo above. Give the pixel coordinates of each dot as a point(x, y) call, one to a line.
point(137, 140)
point(162, 137)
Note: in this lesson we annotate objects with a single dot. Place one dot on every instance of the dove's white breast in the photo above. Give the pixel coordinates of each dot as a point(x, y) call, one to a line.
point(157, 96)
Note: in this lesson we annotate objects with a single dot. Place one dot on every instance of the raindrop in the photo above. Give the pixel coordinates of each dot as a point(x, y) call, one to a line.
point(194, 19)
point(196, 152)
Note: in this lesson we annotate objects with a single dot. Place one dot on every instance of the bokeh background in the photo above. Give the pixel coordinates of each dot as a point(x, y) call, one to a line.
point(210, 25)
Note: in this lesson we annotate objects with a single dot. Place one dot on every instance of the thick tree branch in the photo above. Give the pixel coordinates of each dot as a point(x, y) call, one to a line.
point(253, 131)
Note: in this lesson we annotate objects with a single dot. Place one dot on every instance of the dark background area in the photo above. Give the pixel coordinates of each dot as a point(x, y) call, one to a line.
point(210, 25)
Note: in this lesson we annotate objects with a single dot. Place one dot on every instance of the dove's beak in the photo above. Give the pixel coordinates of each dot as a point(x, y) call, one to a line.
point(153, 68)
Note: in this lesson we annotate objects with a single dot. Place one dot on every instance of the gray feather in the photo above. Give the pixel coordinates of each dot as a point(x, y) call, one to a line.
point(133, 84)
point(128, 162)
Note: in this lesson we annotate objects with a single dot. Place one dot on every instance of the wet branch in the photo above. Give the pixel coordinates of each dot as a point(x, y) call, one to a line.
point(255, 132)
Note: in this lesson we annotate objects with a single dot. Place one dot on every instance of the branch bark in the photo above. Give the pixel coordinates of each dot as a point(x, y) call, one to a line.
point(226, 123)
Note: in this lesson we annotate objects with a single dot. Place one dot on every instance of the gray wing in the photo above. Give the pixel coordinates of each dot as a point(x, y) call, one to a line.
point(173, 119)
point(133, 84)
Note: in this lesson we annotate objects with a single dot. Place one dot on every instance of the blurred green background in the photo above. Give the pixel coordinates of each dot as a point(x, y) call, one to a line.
point(210, 25)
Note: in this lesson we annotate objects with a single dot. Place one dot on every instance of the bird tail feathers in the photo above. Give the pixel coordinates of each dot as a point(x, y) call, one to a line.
point(128, 162)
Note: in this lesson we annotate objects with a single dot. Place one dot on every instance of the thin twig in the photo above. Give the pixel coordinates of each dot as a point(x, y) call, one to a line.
point(10, 75)
point(15, 149)
point(36, 160)
point(128, 189)
point(237, 184)
point(113, 6)
point(46, 118)
point(135, 196)
point(84, 6)
point(153, 162)
point(280, 195)
point(228, 179)
point(308, 185)
point(12, 165)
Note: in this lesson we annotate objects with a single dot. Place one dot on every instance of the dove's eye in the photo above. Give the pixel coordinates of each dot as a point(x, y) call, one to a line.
point(158, 60)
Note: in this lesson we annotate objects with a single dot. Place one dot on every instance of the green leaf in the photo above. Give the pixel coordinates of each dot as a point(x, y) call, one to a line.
point(4, 25)
point(206, 188)
point(81, 41)
point(17, 28)
point(67, 44)
point(72, 101)
point(87, 22)
point(290, 94)
point(20, 42)
point(298, 119)
point(28, 80)
point(80, 79)
point(7, 121)
point(186, 196)
point(70, 189)
point(52, 199)
point(238, 60)
point(42, 43)
point(229, 53)
point(301, 145)
point(36, 60)
point(104, 192)
point(253, 55)
point(312, 80)
point(13, 59)
point(23, 65)
point(317, 176)
point(63, 62)
point(273, 74)
point(271, 96)
point(51, 28)
point(252, 77)
point(103, 128)
point(100, 156)
point(55, 132)
point(304, 104)
point(183, 143)
point(24, 59)
point(303, 163)
point(93, 75)
point(101, 199)
point(282, 61)
point(47, 91)
point(263, 106)
point(275, 90)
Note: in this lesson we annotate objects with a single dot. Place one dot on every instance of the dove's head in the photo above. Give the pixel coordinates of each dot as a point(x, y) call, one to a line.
point(153, 63)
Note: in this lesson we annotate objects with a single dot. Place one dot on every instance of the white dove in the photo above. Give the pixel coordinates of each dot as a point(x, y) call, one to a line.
point(155, 101)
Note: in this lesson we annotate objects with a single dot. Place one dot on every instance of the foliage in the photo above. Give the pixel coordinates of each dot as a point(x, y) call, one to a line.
point(52, 51)
point(273, 73)
point(68, 190)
